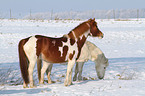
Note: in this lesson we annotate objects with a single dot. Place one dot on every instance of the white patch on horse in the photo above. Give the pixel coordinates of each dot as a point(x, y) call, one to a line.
point(53, 42)
point(88, 24)
point(73, 34)
point(61, 50)
point(85, 34)
point(71, 48)
point(30, 46)
point(30, 51)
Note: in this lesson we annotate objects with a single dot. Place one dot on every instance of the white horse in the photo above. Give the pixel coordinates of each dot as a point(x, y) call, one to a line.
point(89, 52)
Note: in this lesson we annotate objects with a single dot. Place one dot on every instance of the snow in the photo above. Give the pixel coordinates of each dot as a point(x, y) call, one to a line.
point(123, 44)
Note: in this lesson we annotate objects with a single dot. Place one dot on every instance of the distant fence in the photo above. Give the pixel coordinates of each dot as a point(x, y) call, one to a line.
point(99, 14)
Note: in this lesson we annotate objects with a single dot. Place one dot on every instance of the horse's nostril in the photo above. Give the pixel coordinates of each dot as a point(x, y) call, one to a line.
point(102, 35)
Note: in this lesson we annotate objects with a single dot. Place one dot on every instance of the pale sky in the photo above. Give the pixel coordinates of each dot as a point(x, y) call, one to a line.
point(24, 6)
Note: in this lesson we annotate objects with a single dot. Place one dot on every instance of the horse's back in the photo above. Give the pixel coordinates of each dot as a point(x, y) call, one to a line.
point(89, 52)
point(49, 49)
point(95, 52)
point(85, 54)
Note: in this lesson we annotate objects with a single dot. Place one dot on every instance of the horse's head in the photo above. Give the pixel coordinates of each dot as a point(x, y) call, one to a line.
point(94, 31)
point(101, 66)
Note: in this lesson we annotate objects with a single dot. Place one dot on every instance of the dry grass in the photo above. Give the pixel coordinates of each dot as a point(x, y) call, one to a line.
point(125, 75)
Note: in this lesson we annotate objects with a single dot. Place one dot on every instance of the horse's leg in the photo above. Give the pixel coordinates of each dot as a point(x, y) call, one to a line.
point(48, 72)
point(43, 70)
point(25, 85)
point(76, 72)
point(69, 72)
point(39, 66)
point(30, 71)
point(70, 77)
point(80, 69)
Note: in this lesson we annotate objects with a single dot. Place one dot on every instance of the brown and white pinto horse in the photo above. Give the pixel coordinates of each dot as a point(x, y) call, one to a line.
point(54, 50)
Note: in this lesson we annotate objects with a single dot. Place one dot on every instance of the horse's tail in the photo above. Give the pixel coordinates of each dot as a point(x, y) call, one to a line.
point(23, 61)
point(39, 65)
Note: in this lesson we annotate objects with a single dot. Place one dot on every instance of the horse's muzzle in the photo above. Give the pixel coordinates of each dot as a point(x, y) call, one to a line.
point(100, 37)
point(100, 77)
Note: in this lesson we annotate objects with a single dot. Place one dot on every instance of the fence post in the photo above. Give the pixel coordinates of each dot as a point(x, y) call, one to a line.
point(51, 14)
point(30, 15)
point(137, 14)
point(10, 14)
point(114, 14)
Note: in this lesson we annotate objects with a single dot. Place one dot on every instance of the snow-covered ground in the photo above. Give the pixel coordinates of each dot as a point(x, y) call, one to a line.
point(123, 44)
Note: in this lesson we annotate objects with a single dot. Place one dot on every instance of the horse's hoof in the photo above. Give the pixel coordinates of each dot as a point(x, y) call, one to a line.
point(25, 86)
point(33, 86)
point(80, 78)
point(74, 79)
point(41, 82)
point(50, 82)
point(65, 84)
point(71, 83)
point(53, 82)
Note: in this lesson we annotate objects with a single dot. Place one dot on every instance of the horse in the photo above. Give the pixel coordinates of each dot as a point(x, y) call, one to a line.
point(54, 50)
point(89, 52)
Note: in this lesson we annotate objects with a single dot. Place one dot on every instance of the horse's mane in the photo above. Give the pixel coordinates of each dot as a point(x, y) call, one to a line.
point(79, 26)
point(80, 29)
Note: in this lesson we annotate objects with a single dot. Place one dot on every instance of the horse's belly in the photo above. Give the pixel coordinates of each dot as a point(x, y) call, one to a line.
point(53, 58)
point(53, 55)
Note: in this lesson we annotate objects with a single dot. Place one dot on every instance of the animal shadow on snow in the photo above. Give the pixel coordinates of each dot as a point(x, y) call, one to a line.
point(27, 91)
point(84, 82)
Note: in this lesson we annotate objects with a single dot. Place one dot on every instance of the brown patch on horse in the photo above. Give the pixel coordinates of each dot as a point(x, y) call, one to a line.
point(48, 49)
point(72, 41)
point(71, 55)
point(39, 44)
point(71, 35)
point(80, 44)
point(79, 30)
point(39, 66)
point(23, 60)
point(65, 50)
point(64, 39)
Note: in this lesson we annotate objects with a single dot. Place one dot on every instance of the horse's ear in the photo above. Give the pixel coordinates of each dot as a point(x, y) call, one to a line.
point(90, 19)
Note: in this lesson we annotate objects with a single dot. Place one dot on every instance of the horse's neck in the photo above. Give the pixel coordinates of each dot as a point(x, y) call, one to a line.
point(80, 30)
point(80, 34)
point(95, 52)
point(92, 47)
